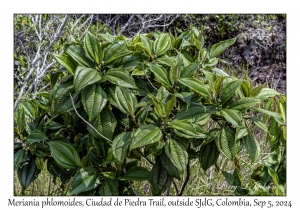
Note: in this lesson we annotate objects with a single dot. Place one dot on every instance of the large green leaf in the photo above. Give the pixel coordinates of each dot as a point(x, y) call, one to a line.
point(77, 53)
point(274, 176)
point(67, 62)
point(195, 85)
point(123, 99)
point(120, 145)
point(186, 129)
point(276, 115)
point(36, 136)
point(226, 143)
point(159, 107)
point(28, 172)
point(63, 154)
point(94, 100)
point(58, 171)
point(232, 116)
point(160, 74)
point(189, 70)
point(220, 47)
point(244, 103)
point(146, 42)
point(136, 174)
point(84, 180)
point(229, 90)
point(208, 155)
point(19, 157)
point(144, 135)
point(165, 60)
point(30, 108)
point(177, 154)
point(105, 124)
point(120, 77)
point(115, 51)
point(162, 44)
point(92, 48)
point(62, 100)
point(193, 114)
point(266, 93)
point(20, 118)
point(159, 178)
point(117, 99)
point(143, 47)
point(252, 147)
point(258, 122)
point(172, 170)
point(186, 97)
point(109, 187)
point(84, 77)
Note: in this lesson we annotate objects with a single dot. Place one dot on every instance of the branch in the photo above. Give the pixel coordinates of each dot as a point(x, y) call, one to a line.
point(151, 83)
point(148, 160)
point(87, 121)
point(126, 25)
point(38, 56)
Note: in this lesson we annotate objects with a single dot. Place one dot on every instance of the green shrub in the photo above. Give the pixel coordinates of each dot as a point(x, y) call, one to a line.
point(116, 101)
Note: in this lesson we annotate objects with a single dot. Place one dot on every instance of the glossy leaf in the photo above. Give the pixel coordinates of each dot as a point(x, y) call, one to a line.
point(105, 124)
point(19, 157)
point(226, 143)
point(67, 62)
point(63, 154)
point(28, 172)
point(177, 154)
point(136, 174)
point(159, 178)
point(162, 44)
point(20, 118)
point(62, 101)
point(120, 145)
point(84, 77)
point(171, 169)
point(229, 90)
point(57, 171)
point(94, 100)
point(232, 116)
point(160, 74)
point(189, 70)
point(208, 155)
point(195, 85)
point(115, 51)
point(220, 47)
point(92, 48)
point(259, 123)
point(77, 53)
point(109, 187)
point(276, 115)
point(266, 93)
point(252, 147)
point(188, 129)
point(193, 114)
point(84, 180)
point(36, 136)
point(244, 103)
point(120, 77)
point(144, 135)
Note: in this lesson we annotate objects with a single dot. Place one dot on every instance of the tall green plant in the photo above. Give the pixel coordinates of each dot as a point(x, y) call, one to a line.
point(156, 97)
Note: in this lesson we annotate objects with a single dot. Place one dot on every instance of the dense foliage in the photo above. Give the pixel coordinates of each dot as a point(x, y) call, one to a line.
point(116, 101)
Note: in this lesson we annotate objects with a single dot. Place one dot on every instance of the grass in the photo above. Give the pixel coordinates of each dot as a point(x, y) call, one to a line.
point(44, 185)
